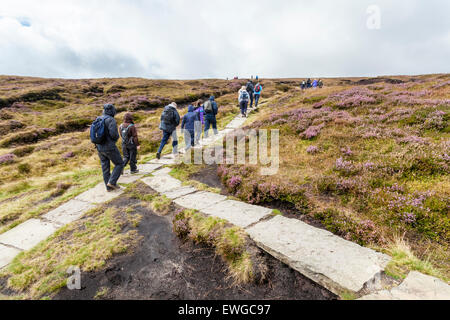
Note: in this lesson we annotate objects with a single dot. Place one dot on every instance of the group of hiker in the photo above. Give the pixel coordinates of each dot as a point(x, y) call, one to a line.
point(201, 117)
point(105, 135)
point(248, 94)
point(307, 84)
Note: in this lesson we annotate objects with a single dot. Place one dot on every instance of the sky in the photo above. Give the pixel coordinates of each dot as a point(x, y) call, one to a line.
point(190, 39)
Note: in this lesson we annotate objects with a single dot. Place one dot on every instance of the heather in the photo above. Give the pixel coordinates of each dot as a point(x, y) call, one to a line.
point(368, 162)
point(44, 138)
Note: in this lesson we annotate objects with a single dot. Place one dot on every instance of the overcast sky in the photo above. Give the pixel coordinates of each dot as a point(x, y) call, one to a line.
point(186, 39)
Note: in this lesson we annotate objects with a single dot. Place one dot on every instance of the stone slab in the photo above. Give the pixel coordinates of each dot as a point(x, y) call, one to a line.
point(167, 160)
point(236, 123)
point(148, 167)
point(416, 286)
point(7, 254)
point(238, 213)
point(68, 212)
point(162, 183)
point(129, 178)
point(28, 234)
point(336, 264)
point(200, 200)
point(179, 192)
point(163, 171)
point(98, 194)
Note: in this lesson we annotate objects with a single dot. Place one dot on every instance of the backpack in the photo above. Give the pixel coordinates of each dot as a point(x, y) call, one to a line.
point(244, 96)
point(208, 106)
point(125, 136)
point(258, 88)
point(250, 88)
point(168, 116)
point(98, 131)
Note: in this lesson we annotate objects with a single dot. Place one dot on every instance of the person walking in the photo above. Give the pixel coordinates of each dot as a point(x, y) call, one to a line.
point(303, 85)
point(251, 90)
point(170, 120)
point(104, 134)
point(199, 124)
point(258, 91)
point(211, 110)
point(314, 85)
point(308, 83)
point(188, 125)
point(130, 142)
point(243, 101)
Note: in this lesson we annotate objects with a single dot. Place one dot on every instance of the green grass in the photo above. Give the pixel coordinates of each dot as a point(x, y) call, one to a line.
point(87, 244)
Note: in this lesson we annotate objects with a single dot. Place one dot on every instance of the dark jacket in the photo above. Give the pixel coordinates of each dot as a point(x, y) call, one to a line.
point(250, 87)
point(175, 123)
point(189, 119)
point(112, 135)
point(132, 132)
point(214, 107)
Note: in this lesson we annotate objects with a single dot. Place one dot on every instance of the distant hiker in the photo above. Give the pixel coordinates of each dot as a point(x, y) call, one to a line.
point(104, 135)
point(199, 124)
point(320, 83)
point(243, 101)
point(303, 85)
point(170, 119)
point(257, 78)
point(314, 85)
point(250, 88)
point(188, 125)
point(130, 142)
point(211, 110)
point(258, 91)
point(308, 83)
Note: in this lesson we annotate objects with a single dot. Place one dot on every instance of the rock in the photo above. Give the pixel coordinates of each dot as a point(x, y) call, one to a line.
point(68, 212)
point(7, 254)
point(200, 200)
point(28, 234)
point(164, 171)
point(129, 178)
point(162, 183)
point(179, 192)
point(98, 194)
point(337, 264)
point(148, 168)
point(238, 213)
point(416, 286)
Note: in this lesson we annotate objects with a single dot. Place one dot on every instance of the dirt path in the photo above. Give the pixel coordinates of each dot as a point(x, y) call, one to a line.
point(164, 268)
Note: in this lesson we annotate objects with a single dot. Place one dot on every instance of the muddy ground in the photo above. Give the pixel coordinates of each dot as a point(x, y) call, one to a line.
point(164, 268)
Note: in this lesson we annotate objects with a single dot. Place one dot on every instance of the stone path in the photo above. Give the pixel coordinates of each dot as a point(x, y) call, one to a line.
point(340, 266)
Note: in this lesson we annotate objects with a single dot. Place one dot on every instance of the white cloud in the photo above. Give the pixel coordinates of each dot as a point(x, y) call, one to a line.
point(196, 39)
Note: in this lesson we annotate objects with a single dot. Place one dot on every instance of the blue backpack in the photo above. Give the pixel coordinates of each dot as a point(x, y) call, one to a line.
point(98, 131)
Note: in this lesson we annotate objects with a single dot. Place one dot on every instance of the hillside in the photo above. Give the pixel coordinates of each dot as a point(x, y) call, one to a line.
point(367, 159)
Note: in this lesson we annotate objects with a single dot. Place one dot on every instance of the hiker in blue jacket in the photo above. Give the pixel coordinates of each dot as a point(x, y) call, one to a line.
point(108, 152)
point(170, 119)
point(258, 91)
point(189, 123)
point(211, 110)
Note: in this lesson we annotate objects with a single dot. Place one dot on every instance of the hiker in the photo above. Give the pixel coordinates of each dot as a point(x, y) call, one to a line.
point(170, 119)
point(314, 85)
point(243, 101)
point(188, 125)
point(104, 135)
point(211, 110)
point(130, 142)
point(320, 83)
point(199, 124)
point(308, 83)
point(303, 85)
point(257, 93)
point(250, 90)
